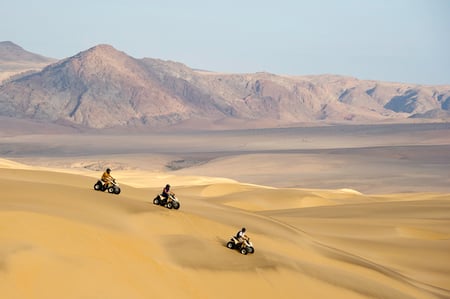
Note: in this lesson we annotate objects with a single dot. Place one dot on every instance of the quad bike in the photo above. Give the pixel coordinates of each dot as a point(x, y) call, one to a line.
point(172, 201)
point(243, 247)
point(112, 188)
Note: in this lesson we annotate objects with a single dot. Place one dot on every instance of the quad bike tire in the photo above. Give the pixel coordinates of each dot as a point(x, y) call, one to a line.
point(230, 245)
point(250, 250)
point(176, 205)
point(243, 251)
point(156, 201)
point(169, 205)
point(97, 187)
point(114, 190)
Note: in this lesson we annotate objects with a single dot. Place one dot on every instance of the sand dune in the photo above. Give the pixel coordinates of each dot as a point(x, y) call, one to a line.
point(61, 239)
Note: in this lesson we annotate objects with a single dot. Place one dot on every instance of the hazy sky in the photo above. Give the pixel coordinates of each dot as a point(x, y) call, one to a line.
point(389, 40)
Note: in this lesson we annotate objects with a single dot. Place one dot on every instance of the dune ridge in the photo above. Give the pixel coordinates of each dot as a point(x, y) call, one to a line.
point(60, 238)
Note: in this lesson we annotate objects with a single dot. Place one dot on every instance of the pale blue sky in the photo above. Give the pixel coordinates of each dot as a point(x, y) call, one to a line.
point(388, 40)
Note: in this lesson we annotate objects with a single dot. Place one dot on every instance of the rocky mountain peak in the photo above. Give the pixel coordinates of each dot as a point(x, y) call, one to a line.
point(103, 51)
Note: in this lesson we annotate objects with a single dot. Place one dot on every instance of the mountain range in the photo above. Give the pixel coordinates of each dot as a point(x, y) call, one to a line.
point(105, 88)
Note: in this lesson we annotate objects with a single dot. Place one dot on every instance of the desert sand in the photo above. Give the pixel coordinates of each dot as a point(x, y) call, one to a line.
point(59, 238)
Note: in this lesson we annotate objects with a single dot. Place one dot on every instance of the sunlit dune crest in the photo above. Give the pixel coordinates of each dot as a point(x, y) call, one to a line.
point(59, 238)
point(346, 190)
point(419, 233)
point(13, 165)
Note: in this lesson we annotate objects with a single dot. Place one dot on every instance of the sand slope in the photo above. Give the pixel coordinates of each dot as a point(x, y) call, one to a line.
point(61, 239)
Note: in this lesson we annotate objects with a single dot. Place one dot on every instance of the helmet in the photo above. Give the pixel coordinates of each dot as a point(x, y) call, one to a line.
point(243, 229)
point(108, 170)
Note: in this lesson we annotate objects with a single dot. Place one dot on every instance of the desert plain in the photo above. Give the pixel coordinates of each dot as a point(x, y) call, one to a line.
point(357, 211)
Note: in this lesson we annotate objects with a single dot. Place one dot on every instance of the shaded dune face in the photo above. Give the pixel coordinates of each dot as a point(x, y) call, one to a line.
point(60, 238)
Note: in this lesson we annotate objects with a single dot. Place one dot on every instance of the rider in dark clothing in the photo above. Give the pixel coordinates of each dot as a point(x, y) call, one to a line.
point(165, 193)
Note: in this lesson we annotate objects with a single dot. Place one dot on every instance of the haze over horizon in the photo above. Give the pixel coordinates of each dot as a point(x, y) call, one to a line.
point(398, 41)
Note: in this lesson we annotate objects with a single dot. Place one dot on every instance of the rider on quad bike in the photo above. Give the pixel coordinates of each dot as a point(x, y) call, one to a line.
point(241, 237)
point(241, 242)
point(165, 193)
point(107, 178)
point(107, 182)
point(167, 199)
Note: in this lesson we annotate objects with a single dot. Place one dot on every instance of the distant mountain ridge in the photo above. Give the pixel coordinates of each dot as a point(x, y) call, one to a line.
point(12, 52)
point(103, 87)
point(14, 60)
